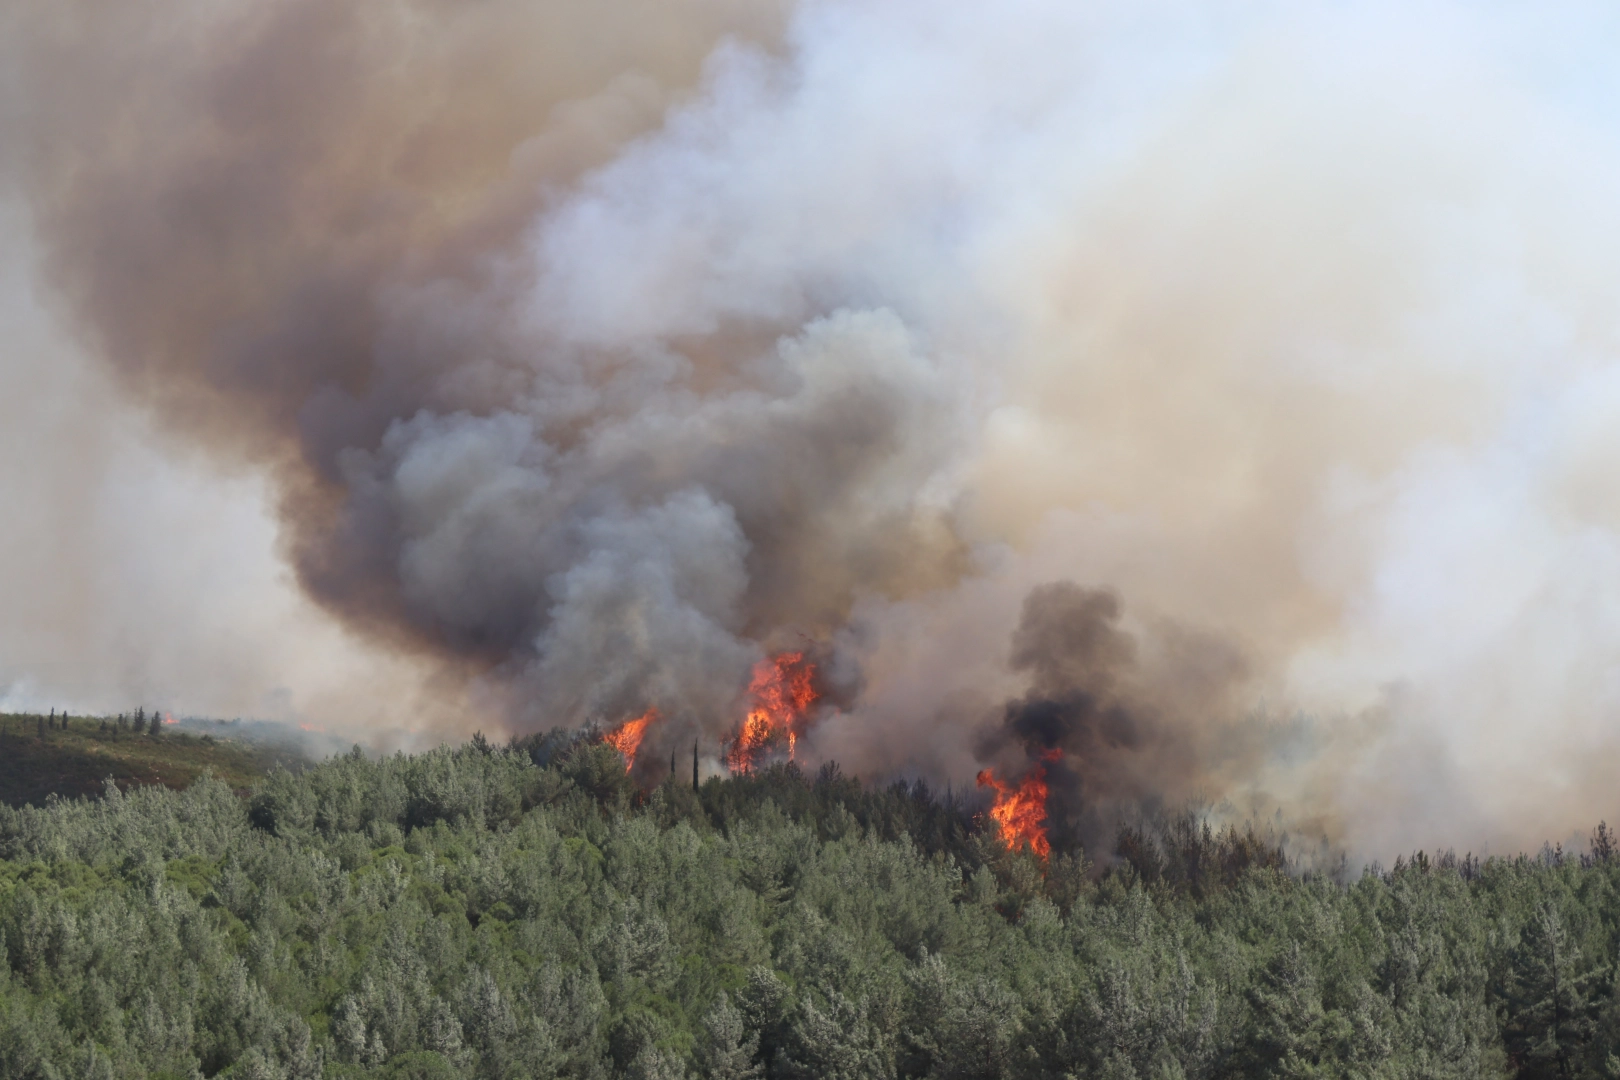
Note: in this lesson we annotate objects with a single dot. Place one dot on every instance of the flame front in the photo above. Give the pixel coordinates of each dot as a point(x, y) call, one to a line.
point(781, 693)
point(626, 738)
point(1021, 810)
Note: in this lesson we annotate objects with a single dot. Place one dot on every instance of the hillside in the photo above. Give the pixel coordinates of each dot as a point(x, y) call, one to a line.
point(483, 913)
point(38, 760)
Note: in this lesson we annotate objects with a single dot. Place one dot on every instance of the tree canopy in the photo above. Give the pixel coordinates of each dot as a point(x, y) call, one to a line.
point(523, 911)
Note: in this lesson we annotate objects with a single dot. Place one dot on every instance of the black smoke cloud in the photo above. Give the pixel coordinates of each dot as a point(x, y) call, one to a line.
point(1113, 737)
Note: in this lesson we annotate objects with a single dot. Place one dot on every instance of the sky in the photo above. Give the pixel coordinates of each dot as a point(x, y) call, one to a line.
point(135, 572)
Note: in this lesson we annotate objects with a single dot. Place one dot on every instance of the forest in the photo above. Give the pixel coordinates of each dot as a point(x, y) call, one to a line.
point(525, 911)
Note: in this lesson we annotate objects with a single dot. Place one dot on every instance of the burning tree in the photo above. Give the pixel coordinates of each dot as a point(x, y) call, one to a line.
point(627, 737)
point(1020, 809)
point(782, 693)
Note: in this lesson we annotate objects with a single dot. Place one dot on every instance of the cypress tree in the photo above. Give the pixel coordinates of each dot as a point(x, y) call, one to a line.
point(694, 765)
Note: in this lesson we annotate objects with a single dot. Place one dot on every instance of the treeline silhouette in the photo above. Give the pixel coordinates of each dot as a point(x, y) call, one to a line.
point(135, 723)
point(525, 911)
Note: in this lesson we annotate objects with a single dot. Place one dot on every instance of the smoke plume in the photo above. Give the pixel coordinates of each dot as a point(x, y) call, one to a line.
point(1223, 395)
point(1118, 729)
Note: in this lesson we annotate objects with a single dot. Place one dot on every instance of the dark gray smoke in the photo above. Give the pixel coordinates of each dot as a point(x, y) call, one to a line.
point(306, 242)
point(1114, 737)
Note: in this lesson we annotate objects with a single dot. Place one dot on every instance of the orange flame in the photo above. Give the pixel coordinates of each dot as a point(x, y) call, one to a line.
point(1021, 810)
point(626, 738)
point(782, 691)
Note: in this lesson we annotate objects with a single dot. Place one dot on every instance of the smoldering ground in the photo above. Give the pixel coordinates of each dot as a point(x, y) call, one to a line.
point(593, 351)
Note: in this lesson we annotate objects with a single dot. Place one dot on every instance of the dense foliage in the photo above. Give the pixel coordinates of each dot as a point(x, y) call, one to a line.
point(471, 913)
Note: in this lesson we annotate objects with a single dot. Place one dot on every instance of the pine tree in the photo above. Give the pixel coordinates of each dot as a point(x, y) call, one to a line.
point(1549, 1009)
point(724, 1054)
point(651, 1063)
point(1603, 843)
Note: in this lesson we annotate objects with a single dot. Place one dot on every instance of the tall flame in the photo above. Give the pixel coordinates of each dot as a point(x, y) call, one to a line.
point(781, 692)
point(626, 738)
point(1021, 810)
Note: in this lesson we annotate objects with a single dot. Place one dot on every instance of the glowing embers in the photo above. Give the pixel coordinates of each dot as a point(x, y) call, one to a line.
point(1020, 809)
point(626, 738)
point(780, 695)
